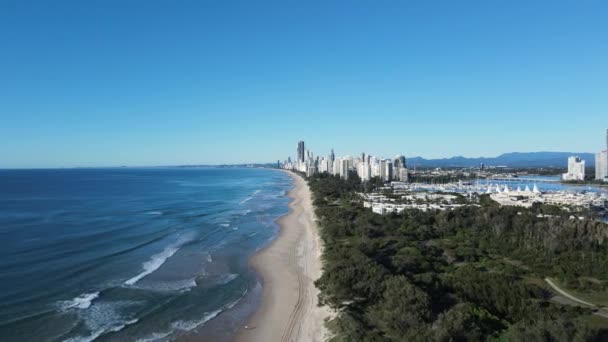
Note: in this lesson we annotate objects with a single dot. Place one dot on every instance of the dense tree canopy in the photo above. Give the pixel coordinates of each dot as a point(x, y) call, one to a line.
point(470, 274)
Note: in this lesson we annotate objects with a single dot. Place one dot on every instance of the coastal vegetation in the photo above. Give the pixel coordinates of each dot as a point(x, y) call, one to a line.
point(475, 273)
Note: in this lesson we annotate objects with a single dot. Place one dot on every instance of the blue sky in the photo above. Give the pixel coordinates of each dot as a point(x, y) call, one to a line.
point(101, 83)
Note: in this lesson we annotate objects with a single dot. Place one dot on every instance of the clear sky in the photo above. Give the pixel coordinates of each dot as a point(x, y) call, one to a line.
point(102, 83)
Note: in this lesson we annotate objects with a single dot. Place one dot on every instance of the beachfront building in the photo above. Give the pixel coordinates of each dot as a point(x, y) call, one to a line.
point(300, 151)
point(601, 163)
point(389, 171)
point(311, 170)
point(364, 171)
point(576, 169)
point(365, 166)
point(336, 167)
point(344, 167)
point(401, 174)
point(399, 162)
point(399, 169)
point(374, 167)
point(601, 166)
point(325, 165)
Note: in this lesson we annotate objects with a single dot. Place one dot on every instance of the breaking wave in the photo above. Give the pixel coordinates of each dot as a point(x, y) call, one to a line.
point(156, 261)
point(81, 302)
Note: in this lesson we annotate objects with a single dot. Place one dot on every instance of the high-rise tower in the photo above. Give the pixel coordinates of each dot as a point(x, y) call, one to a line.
point(301, 157)
point(576, 169)
point(399, 162)
point(601, 162)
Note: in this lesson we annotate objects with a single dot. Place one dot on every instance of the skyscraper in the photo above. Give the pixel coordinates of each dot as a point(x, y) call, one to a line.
point(601, 165)
point(389, 170)
point(300, 157)
point(399, 162)
point(576, 169)
point(383, 170)
point(344, 168)
point(336, 167)
point(601, 162)
point(332, 156)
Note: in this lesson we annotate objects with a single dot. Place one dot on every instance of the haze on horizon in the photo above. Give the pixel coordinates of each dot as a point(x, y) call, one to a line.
point(164, 83)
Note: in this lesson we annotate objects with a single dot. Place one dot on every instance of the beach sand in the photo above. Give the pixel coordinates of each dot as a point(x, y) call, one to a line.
point(287, 268)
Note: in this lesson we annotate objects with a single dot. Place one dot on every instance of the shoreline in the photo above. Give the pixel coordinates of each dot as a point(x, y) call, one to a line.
point(287, 269)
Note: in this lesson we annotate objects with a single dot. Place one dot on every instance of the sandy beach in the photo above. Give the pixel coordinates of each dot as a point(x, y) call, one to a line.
point(287, 268)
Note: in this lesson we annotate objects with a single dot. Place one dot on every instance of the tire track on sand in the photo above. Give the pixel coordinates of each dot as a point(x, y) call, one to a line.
point(296, 314)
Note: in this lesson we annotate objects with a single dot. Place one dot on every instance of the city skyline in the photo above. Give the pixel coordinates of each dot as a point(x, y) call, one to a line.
point(146, 84)
point(367, 166)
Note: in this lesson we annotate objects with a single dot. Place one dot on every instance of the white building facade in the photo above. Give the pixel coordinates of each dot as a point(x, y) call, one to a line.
point(601, 166)
point(576, 169)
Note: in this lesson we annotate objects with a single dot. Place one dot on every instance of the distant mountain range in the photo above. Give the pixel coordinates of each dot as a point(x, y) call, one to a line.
point(512, 159)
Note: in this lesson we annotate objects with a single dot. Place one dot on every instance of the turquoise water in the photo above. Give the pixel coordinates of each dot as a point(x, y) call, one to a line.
point(129, 254)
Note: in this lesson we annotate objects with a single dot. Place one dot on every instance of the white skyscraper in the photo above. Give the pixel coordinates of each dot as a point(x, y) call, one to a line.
point(601, 165)
point(576, 169)
point(374, 167)
point(336, 167)
point(364, 171)
point(324, 165)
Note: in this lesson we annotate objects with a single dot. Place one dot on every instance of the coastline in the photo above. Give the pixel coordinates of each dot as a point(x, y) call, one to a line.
point(287, 268)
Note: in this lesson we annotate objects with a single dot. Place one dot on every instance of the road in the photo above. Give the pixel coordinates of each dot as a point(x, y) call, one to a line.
point(567, 295)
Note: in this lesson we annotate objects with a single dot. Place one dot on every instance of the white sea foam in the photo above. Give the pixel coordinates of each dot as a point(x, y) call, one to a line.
point(156, 261)
point(225, 224)
point(245, 200)
point(250, 197)
point(231, 305)
point(81, 302)
point(226, 278)
point(191, 325)
point(102, 318)
point(209, 258)
point(154, 213)
point(155, 337)
point(122, 326)
point(89, 338)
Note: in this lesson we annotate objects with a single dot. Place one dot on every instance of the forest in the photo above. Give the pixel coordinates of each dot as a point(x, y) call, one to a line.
point(475, 273)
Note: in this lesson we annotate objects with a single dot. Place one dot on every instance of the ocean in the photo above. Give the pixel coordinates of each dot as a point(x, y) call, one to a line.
point(132, 254)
